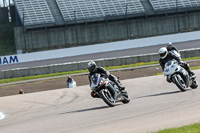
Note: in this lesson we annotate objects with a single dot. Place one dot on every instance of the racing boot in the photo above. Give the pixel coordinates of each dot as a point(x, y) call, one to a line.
point(116, 81)
point(120, 87)
point(192, 75)
point(190, 72)
point(188, 69)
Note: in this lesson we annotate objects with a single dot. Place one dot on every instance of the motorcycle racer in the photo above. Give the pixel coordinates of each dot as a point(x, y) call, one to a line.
point(165, 56)
point(92, 68)
point(170, 47)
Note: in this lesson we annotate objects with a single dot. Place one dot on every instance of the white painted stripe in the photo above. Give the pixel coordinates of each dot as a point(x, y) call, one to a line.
point(2, 116)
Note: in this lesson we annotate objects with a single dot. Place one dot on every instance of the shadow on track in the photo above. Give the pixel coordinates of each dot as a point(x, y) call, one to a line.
point(84, 110)
point(160, 94)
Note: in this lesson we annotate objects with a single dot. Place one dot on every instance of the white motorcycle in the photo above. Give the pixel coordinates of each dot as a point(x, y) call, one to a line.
point(179, 76)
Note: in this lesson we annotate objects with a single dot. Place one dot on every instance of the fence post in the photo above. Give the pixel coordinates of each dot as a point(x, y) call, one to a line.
point(177, 15)
point(76, 28)
point(24, 31)
point(126, 21)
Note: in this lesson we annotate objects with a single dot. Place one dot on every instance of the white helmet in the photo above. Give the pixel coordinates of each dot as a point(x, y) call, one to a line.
point(163, 52)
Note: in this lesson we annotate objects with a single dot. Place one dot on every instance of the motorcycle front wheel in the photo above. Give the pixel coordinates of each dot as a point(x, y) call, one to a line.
point(179, 83)
point(107, 97)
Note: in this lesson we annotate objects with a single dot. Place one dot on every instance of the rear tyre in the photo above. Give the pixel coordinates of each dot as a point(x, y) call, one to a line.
point(194, 84)
point(126, 99)
point(107, 97)
point(179, 83)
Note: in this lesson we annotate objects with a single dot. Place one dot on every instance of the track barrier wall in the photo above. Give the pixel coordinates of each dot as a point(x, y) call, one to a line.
point(73, 66)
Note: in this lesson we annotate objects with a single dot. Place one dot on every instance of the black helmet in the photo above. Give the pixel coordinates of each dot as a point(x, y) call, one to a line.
point(91, 66)
point(169, 45)
point(69, 78)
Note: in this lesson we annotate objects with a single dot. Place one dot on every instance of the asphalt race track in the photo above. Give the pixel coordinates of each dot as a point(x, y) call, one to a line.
point(118, 53)
point(155, 104)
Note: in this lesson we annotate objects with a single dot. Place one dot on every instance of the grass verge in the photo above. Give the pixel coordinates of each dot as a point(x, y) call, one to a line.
point(194, 128)
point(3, 81)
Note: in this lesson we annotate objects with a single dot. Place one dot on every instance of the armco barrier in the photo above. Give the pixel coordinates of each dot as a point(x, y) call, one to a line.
point(16, 73)
point(190, 53)
point(2, 76)
point(72, 66)
point(41, 70)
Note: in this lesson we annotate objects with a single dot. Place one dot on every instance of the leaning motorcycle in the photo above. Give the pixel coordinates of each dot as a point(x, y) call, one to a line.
point(179, 76)
point(108, 90)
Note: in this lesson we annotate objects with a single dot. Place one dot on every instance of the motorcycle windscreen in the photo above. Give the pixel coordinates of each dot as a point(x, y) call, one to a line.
point(168, 63)
point(95, 79)
point(166, 69)
point(170, 68)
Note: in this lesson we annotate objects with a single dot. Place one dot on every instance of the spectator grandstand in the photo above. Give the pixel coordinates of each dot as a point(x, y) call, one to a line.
point(74, 22)
point(34, 12)
point(42, 12)
point(173, 4)
point(37, 12)
point(86, 9)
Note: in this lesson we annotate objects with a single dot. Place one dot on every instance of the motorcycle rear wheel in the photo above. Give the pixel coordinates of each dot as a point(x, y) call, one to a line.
point(126, 99)
point(107, 98)
point(194, 84)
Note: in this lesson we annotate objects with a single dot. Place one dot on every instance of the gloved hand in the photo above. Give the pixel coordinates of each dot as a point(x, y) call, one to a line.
point(106, 76)
point(180, 62)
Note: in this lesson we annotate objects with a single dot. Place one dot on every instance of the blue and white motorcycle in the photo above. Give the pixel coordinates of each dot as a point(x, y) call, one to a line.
point(179, 76)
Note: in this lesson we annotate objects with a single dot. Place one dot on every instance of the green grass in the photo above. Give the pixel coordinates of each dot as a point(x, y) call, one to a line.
point(194, 68)
point(194, 128)
point(2, 81)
